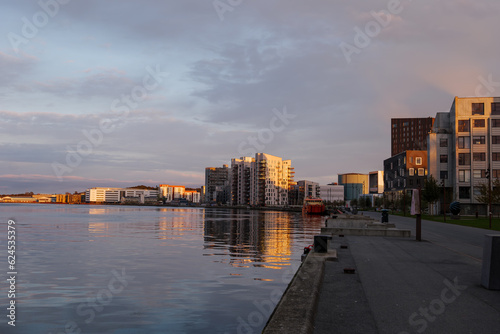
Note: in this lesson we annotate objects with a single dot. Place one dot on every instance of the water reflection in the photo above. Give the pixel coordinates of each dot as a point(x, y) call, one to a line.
point(196, 270)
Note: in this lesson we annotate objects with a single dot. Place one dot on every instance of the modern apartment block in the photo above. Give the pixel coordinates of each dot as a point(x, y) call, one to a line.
point(406, 170)
point(263, 181)
point(170, 192)
point(464, 147)
point(273, 179)
point(217, 184)
point(241, 178)
point(409, 134)
point(302, 190)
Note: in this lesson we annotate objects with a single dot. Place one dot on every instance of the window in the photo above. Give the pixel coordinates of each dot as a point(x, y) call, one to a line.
point(464, 142)
point(411, 160)
point(421, 172)
point(443, 158)
point(411, 171)
point(463, 126)
point(443, 142)
point(495, 123)
point(410, 182)
point(479, 123)
point(495, 139)
point(464, 192)
point(495, 156)
point(478, 140)
point(464, 159)
point(479, 156)
point(478, 109)
point(464, 175)
point(495, 108)
point(418, 161)
point(443, 174)
point(495, 173)
point(479, 173)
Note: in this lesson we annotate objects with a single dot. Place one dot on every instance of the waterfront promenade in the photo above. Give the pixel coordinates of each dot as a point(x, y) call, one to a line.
point(404, 286)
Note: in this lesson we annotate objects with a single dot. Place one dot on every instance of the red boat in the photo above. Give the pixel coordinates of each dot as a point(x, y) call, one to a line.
point(313, 206)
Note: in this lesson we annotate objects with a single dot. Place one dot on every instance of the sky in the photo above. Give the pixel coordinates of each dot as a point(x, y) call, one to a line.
point(120, 92)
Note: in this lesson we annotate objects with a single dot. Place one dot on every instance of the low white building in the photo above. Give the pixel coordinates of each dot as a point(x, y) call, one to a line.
point(101, 194)
point(332, 193)
point(115, 195)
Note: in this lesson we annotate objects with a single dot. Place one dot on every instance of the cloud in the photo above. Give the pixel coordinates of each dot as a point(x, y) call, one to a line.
point(225, 79)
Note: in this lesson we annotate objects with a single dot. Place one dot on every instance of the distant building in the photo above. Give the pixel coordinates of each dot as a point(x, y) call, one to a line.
point(192, 196)
point(116, 195)
point(273, 179)
point(376, 182)
point(242, 180)
point(406, 170)
point(173, 193)
point(263, 181)
point(409, 134)
point(332, 193)
point(103, 195)
point(217, 184)
point(355, 185)
point(302, 190)
point(19, 199)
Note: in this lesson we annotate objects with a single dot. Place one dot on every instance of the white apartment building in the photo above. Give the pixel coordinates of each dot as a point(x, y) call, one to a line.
point(192, 196)
point(101, 194)
point(114, 195)
point(464, 147)
point(171, 192)
point(264, 180)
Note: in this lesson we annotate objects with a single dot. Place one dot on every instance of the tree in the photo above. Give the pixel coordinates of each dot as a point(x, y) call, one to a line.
point(431, 191)
point(484, 195)
point(354, 202)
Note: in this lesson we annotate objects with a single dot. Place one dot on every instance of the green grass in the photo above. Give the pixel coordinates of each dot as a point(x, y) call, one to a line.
point(472, 221)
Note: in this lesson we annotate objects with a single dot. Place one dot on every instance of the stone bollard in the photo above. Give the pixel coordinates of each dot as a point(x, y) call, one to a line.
point(490, 277)
point(321, 243)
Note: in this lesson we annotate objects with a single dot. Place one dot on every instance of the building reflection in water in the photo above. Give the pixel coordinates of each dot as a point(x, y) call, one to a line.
point(241, 238)
point(258, 238)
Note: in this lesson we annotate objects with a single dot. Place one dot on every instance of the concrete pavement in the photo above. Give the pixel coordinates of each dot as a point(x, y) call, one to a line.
point(399, 285)
point(405, 286)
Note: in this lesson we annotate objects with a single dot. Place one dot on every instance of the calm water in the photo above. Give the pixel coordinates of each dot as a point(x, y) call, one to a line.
point(115, 269)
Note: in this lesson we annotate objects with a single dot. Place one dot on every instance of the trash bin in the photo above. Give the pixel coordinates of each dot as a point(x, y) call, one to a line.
point(321, 243)
point(385, 216)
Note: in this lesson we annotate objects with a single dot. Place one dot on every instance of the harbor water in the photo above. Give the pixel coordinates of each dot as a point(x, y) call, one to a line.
point(137, 269)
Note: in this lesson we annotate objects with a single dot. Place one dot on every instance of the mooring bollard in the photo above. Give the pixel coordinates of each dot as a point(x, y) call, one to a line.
point(321, 243)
